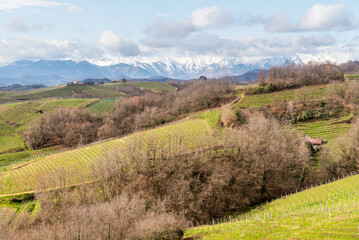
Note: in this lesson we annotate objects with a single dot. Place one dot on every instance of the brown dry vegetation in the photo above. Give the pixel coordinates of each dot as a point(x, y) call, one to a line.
point(295, 76)
point(344, 158)
point(70, 127)
point(154, 195)
point(153, 109)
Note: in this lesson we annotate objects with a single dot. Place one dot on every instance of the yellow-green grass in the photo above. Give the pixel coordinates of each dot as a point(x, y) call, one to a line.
point(330, 211)
point(71, 103)
point(11, 143)
point(75, 166)
point(154, 86)
point(102, 106)
point(212, 116)
point(62, 91)
point(328, 129)
point(9, 139)
point(9, 159)
point(103, 93)
point(351, 76)
point(20, 94)
point(20, 114)
point(312, 93)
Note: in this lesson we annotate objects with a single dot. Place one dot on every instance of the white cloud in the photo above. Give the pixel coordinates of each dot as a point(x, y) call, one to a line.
point(21, 48)
point(74, 10)
point(119, 45)
point(210, 44)
point(278, 23)
point(318, 40)
point(15, 4)
point(211, 17)
point(202, 18)
point(169, 29)
point(318, 18)
point(16, 24)
point(327, 17)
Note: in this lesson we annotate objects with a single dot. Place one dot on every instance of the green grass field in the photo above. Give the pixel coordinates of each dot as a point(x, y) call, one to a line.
point(212, 116)
point(93, 91)
point(20, 114)
point(312, 92)
point(63, 91)
point(10, 159)
point(351, 76)
point(102, 106)
point(71, 103)
point(330, 211)
point(75, 166)
point(329, 128)
point(154, 86)
point(9, 139)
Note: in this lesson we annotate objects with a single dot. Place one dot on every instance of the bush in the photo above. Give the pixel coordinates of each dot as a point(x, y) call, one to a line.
point(67, 127)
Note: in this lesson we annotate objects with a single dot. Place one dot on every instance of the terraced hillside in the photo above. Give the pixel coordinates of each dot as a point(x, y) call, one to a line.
point(153, 86)
point(20, 114)
point(330, 211)
point(9, 139)
point(328, 128)
point(83, 91)
point(257, 100)
point(75, 166)
point(102, 106)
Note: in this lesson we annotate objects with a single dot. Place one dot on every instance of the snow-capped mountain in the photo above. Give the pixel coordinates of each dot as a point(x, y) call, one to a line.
point(50, 72)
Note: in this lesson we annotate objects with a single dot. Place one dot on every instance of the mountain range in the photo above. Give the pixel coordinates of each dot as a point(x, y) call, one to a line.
point(52, 72)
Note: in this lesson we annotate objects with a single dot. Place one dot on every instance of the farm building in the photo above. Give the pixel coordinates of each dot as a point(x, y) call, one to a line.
point(316, 142)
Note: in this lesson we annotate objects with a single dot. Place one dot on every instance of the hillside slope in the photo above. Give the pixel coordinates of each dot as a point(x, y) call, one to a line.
point(75, 166)
point(329, 211)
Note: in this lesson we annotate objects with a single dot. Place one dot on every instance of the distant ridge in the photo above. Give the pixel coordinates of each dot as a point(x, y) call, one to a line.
point(52, 72)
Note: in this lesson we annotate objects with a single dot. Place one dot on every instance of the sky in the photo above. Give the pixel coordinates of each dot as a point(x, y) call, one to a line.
point(104, 32)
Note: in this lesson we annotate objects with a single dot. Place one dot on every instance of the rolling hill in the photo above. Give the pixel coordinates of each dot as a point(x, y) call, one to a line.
point(329, 211)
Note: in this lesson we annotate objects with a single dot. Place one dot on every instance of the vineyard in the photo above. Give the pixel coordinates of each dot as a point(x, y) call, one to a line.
point(9, 159)
point(75, 166)
point(311, 93)
point(20, 114)
point(101, 107)
point(153, 86)
point(9, 139)
point(329, 211)
point(351, 76)
point(93, 91)
point(327, 129)
point(71, 103)
point(212, 116)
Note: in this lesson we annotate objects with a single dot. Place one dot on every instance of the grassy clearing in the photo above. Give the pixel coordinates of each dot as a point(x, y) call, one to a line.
point(62, 91)
point(154, 86)
point(71, 103)
point(328, 129)
point(94, 91)
point(20, 114)
point(9, 159)
point(351, 76)
point(312, 92)
point(102, 107)
point(9, 139)
point(212, 117)
point(330, 211)
point(75, 166)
